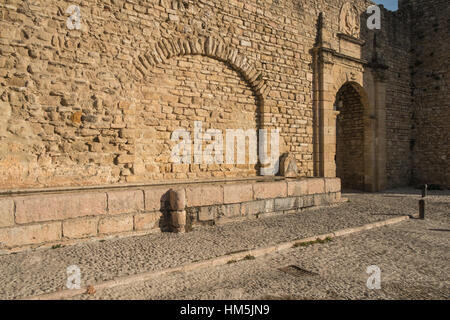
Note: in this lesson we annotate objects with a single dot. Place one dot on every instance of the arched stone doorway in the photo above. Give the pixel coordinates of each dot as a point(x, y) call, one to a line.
point(350, 137)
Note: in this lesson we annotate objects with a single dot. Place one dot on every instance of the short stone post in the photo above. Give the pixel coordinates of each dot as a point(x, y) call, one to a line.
point(177, 199)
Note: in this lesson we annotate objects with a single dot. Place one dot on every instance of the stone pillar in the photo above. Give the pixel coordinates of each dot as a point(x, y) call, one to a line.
point(327, 117)
point(177, 199)
point(375, 129)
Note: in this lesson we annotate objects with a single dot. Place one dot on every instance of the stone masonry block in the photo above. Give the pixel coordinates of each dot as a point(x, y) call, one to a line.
point(115, 224)
point(59, 207)
point(332, 185)
point(257, 207)
point(320, 199)
point(147, 221)
point(270, 190)
point(204, 195)
point(316, 185)
point(80, 228)
point(237, 193)
point(177, 199)
point(308, 201)
point(284, 204)
point(208, 213)
point(231, 210)
point(297, 188)
point(6, 213)
point(120, 202)
point(156, 198)
point(32, 234)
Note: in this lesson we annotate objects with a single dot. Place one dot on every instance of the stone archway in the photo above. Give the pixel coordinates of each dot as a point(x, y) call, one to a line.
point(202, 64)
point(334, 68)
point(351, 137)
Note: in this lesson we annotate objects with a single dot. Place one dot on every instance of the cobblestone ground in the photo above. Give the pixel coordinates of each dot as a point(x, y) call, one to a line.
point(413, 257)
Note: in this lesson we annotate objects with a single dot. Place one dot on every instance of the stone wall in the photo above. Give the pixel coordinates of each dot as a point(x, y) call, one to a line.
point(96, 106)
point(389, 50)
point(80, 105)
point(41, 219)
point(430, 86)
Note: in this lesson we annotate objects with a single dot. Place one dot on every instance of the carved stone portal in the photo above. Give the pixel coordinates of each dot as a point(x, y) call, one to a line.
point(349, 20)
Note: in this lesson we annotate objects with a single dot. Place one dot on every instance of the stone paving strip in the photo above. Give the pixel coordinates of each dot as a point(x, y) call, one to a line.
point(45, 271)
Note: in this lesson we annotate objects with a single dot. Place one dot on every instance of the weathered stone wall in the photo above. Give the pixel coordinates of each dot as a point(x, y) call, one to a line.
point(78, 102)
point(96, 106)
point(430, 86)
point(389, 49)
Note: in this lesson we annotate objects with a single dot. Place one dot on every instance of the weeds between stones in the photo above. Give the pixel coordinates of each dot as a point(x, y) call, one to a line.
point(310, 243)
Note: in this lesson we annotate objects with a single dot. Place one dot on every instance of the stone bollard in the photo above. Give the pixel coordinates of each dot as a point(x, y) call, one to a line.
point(177, 199)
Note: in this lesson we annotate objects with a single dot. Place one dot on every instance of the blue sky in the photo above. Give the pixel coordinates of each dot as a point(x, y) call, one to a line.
point(388, 4)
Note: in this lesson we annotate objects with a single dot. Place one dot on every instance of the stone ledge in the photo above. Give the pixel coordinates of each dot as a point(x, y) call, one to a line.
point(40, 219)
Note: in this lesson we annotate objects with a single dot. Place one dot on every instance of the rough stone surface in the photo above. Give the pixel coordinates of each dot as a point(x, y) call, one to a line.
point(82, 109)
point(80, 228)
point(177, 199)
point(59, 207)
point(316, 186)
point(125, 201)
point(257, 207)
point(267, 190)
point(297, 188)
point(156, 198)
point(237, 193)
point(115, 224)
point(31, 234)
point(207, 195)
point(332, 185)
point(6, 212)
point(147, 221)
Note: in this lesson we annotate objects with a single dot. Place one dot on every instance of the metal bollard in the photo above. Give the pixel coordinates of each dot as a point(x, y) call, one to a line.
point(422, 209)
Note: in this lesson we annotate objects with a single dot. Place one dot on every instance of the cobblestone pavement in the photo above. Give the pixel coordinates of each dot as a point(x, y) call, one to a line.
point(413, 257)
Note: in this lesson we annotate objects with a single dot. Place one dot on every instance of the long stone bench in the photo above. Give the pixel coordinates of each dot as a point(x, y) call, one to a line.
point(72, 216)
